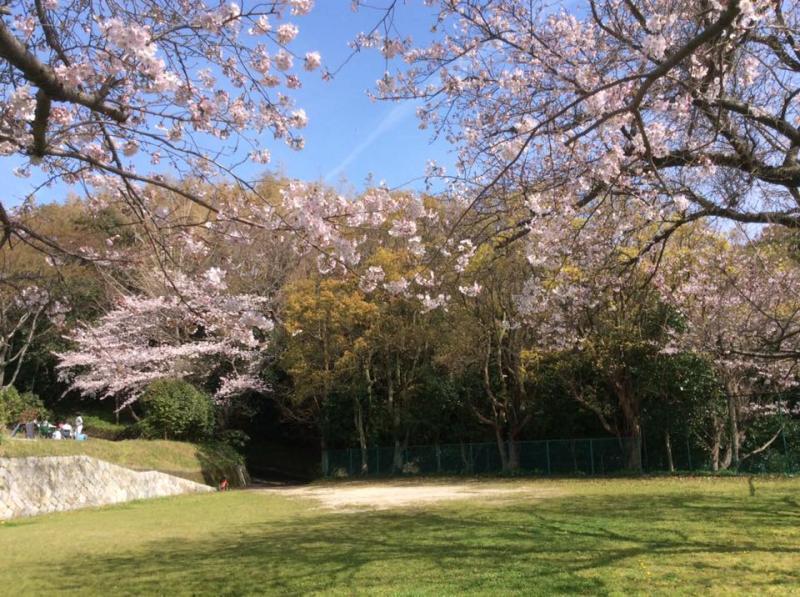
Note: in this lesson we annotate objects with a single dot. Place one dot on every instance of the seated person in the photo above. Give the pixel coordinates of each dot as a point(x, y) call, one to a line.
point(45, 428)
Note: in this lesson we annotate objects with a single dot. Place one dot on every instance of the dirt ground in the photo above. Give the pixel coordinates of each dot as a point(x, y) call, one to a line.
point(351, 497)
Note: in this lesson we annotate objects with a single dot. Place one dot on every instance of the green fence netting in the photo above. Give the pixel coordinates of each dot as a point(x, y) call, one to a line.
point(583, 457)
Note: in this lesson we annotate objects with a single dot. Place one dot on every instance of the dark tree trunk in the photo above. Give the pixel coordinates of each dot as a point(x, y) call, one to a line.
point(734, 423)
point(629, 404)
point(501, 448)
point(465, 458)
point(668, 448)
point(513, 455)
point(362, 436)
point(323, 446)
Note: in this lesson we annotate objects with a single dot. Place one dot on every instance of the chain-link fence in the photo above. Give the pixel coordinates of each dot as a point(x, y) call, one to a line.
point(601, 456)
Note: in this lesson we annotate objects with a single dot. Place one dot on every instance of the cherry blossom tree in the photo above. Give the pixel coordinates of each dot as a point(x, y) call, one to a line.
point(738, 297)
point(26, 309)
point(195, 328)
point(684, 109)
point(644, 116)
point(125, 99)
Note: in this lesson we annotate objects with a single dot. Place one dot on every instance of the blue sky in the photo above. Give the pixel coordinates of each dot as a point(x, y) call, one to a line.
point(348, 136)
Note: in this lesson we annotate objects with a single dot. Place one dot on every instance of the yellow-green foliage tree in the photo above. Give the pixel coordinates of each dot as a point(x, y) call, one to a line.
point(325, 320)
point(400, 344)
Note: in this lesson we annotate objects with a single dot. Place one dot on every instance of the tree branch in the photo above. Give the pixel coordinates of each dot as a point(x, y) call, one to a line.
point(45, 78)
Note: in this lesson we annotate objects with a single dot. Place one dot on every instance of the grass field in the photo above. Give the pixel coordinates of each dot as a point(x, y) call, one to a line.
point(192, 461)
point(662, 536)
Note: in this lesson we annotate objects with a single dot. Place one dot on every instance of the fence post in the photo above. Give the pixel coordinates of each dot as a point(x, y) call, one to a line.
point(689, 454)
point(350, 462)
point(547, 453)
point(377, 460)
point(591, 454)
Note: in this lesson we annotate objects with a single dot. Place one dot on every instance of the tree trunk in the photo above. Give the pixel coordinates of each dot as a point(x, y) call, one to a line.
point(133, 413)
point(397, 459)
point(465, 459)
point(324, 449)
point(727, 457)
point(715, 447)
point(362, 431)
point(668, 447)
point(394, 409)
point(513, 453)
point(501, 448)
point(630, 411)
point(396, 456)
point(734, 423)
point(362, 436)
point(404, 449)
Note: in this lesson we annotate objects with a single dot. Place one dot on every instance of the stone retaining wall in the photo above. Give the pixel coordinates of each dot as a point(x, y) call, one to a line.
point(37, 485)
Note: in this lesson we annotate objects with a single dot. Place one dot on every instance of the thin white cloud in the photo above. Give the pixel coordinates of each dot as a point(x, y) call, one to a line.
point(397, 113)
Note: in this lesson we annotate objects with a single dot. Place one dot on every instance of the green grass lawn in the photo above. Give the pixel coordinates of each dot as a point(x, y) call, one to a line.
point(197, 462)
point(663, 536)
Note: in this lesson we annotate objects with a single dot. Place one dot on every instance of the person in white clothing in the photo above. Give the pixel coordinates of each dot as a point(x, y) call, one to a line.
point(78, 425)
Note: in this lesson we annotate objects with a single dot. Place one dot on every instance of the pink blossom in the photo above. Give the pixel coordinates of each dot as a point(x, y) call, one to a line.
point(301, 7)
point(470, 291)
point(312, 61)
point(261, 156)
point(283, 60)
point(370, 280)
point(287, 32)
point(403, 228)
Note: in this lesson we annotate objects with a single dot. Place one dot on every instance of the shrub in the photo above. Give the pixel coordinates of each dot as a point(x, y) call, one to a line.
point(175, 409)
point(4, 415)
point(234, 438)
point(19, 408)
point(95, 426)
point(221, 461)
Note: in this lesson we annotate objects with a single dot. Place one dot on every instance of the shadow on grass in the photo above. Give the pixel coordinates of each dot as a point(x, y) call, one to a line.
point(584, 545)
point(11, 524)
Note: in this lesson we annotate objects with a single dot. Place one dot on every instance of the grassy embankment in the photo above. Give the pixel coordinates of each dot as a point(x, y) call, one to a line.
point(611, 536)
point(201, 463)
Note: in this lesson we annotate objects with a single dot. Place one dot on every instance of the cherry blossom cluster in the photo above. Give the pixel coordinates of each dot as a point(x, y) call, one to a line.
point(339, 229)
point(771, 409)
point(194, 328)
point(684, 108)
point(123, 97)
point(738, 297)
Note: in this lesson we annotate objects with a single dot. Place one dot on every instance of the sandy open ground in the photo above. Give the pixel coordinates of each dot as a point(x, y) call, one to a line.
point(382, 496)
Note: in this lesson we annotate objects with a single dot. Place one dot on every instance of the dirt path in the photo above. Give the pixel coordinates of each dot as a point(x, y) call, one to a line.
point(387, 495)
